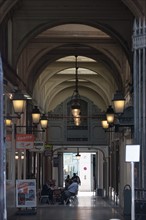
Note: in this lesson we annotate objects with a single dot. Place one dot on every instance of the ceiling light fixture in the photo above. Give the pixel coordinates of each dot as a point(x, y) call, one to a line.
point(77, 120)
point(75, 100)
point(78, 155)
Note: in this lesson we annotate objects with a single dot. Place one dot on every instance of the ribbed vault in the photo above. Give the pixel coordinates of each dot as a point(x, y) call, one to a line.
point(50, 69)
point(50, 37)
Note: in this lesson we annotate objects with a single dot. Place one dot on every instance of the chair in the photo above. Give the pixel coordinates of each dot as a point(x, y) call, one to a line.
point(71, 200)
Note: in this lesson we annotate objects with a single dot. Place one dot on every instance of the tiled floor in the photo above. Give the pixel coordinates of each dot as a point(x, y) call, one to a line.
point(86, 207)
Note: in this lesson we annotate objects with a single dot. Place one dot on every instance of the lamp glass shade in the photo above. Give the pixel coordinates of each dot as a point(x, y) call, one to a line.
point(118, 102)
point(110, 115)
point(36, 115)
point(105, 124)
point(78, 156)
point(22, 156)
point(44, 122)
point(77, 123)
point(36, 118)
point(119, 106)
point(18, 106)
point(77, 120)
point(16, 157)
point(110, 118)
point(18, 101)
point(76, 110)
point(8, 122)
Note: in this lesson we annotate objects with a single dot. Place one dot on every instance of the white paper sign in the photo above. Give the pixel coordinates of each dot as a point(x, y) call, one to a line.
point(132, 153)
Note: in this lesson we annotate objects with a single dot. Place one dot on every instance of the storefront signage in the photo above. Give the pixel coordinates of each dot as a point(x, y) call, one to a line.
point(38, 146)
point(24, 141)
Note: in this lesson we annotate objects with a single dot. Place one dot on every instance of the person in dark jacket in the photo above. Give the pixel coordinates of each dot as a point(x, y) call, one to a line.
point(46, 190)
point(77, 178)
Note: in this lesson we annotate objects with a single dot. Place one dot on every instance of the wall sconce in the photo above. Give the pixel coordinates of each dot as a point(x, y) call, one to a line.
point(126, 119)
point(17, 156)
point(44, 121)
point(22, 156)
point(8, 119)
point(18, 101)
point(8, 122)
point(37, 118)
point(110, 115)
point(118, 102)
point(119, 117)
point(36, 115)
point(105, 124)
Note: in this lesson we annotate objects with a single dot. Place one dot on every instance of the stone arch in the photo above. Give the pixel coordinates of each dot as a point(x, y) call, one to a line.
point(107, 29)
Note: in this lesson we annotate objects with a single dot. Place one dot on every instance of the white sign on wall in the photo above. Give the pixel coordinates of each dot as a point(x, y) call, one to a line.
point(132, 153)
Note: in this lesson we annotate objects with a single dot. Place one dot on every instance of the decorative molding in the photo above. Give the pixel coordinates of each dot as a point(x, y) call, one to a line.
point(139, 42)
point(139, 35)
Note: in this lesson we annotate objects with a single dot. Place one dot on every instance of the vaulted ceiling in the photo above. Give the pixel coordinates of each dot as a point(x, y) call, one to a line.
point(44, 37)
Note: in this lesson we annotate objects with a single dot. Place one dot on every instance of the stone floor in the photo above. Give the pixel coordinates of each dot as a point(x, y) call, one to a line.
point(86, 207)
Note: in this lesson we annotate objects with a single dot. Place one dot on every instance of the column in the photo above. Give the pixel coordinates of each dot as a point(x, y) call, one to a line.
point(139, 79)
point(3, 213)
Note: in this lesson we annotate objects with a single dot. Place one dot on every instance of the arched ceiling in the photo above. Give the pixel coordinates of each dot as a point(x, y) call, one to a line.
point(46, 36)
point(52, 70)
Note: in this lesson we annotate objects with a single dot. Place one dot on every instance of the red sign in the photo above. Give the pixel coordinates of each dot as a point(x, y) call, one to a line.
point(24, 141)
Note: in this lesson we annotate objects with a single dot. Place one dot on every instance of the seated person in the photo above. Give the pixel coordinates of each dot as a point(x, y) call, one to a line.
point(52, 183)
point(46, 190)
point(77, 178)
point(68, 181)
point(70, 191)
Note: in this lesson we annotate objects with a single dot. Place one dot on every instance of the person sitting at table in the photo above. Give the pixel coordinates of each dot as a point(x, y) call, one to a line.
point(75, 176)
point(68, 181)
point(46, 190)
point(52, 183)
point(70, 191)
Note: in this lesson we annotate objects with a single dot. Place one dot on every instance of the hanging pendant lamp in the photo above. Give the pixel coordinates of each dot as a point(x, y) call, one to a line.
point(75, 101)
